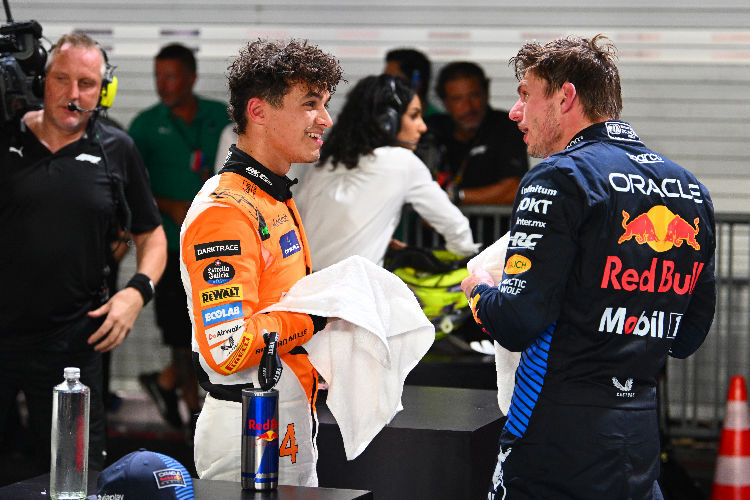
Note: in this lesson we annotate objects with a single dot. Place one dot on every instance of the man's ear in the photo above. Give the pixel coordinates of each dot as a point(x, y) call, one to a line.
point(256, 110)
point(568, 91)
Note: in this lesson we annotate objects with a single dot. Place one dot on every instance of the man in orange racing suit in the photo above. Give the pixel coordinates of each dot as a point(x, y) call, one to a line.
point(243, 247)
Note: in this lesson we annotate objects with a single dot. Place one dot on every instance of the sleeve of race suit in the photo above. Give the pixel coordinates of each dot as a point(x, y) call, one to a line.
point(217, 224)
point(697, 320)
point(542, 247)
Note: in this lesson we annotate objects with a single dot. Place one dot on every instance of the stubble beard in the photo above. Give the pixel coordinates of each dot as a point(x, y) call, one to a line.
point(550, 134)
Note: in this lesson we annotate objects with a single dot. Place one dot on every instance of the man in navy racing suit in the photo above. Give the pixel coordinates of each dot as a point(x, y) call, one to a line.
point(609, 269)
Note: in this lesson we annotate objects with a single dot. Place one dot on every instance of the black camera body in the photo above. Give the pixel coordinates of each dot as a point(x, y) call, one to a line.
point(22, 61)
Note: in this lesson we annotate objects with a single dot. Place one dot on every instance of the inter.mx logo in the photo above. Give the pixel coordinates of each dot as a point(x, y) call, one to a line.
point(658, 324)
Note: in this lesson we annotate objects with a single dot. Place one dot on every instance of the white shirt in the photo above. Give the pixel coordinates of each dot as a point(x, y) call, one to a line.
point(349, 212)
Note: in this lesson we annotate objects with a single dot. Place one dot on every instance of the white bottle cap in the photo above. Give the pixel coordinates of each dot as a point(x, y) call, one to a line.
point(72, 372)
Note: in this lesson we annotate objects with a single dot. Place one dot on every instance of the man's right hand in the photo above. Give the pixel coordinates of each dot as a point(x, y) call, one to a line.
point(476, 277)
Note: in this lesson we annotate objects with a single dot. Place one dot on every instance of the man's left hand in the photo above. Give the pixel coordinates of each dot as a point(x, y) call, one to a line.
point(121, 312)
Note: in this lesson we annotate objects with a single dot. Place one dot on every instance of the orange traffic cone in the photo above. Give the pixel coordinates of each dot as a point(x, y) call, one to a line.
point(732, 477)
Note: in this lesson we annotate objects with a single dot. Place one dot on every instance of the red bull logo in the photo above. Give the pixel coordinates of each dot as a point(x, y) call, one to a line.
point(267, 436)
point(269, 425)
point(660, 229)
point(660, 277)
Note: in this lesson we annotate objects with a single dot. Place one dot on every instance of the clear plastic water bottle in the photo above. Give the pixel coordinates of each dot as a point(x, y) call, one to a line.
point(70, 437)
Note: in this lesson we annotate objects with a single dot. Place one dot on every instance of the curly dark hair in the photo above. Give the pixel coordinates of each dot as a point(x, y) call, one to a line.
point(359, 127)
point(267, 69)
point(589, 64)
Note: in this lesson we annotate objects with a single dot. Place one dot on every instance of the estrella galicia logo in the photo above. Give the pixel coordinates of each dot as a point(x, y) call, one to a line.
point(221, 313)
point(217, 249)
point(218, 272)
point(289, 244)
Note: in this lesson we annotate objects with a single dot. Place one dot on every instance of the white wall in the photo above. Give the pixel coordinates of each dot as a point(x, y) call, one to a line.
point(685, 64)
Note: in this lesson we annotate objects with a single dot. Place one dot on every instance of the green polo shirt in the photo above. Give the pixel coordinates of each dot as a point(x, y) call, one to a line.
point(176, 152)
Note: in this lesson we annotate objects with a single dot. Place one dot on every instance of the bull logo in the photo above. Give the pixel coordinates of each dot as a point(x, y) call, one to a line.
point(660, 229)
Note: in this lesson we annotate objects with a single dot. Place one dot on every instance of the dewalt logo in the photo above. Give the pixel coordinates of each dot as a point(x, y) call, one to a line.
point(220, 294)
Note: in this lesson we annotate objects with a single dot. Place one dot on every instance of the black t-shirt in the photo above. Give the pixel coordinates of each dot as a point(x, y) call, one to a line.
point(57, 218)
point(495, 153)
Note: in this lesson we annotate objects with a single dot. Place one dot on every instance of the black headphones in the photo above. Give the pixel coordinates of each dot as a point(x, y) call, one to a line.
point(388, 107)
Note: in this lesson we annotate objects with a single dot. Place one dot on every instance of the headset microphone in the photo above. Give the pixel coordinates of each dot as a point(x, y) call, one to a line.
point(73, 107)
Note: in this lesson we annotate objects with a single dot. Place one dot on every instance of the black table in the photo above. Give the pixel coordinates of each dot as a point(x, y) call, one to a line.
point(38, 488)
point(443, 445)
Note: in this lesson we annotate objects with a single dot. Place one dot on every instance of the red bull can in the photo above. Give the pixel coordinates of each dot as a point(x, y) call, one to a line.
point(260, 439)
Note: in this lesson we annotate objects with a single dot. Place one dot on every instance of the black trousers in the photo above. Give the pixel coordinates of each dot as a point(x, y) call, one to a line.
point(35, 373)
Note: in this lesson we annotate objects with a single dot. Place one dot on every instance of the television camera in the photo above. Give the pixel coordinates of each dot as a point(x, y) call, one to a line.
point(22, 61)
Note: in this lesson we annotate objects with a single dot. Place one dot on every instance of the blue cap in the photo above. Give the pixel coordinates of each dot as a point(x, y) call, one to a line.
point(145, 474)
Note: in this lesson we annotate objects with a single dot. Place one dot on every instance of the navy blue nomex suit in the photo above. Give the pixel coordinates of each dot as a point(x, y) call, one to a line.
point(609, 269)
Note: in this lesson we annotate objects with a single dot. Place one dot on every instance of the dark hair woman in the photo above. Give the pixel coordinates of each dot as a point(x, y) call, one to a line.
point(351, 202)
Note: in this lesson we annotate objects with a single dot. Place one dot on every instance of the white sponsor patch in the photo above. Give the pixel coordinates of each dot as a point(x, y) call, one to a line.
point(221, 352)
point(223, 331)
point(89, 158)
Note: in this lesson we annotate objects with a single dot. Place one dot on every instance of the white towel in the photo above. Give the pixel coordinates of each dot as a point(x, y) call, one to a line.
point(492, 260)
point(367, 354)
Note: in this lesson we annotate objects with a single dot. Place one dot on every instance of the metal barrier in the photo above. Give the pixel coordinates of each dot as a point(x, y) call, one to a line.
point(693, 391)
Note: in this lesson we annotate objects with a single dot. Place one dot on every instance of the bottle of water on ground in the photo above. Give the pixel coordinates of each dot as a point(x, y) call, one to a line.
point(70, 437)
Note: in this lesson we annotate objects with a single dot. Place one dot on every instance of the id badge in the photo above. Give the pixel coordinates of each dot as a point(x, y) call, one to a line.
point(196, 160)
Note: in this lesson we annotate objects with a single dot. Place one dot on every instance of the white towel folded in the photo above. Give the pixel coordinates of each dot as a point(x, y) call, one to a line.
point(367, 354)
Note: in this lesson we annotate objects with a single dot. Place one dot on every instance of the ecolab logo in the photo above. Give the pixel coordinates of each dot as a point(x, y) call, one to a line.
point(221, 313)
point(632, 280)
point(658, 324)
point(669, 188)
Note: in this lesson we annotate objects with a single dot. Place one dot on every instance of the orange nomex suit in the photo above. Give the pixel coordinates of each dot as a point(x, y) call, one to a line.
point(242, 248)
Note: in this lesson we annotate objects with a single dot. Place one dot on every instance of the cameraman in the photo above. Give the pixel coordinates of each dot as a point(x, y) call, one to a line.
point(66, 181)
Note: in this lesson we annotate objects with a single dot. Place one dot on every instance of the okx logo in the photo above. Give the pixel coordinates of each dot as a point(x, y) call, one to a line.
point(660, 229)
